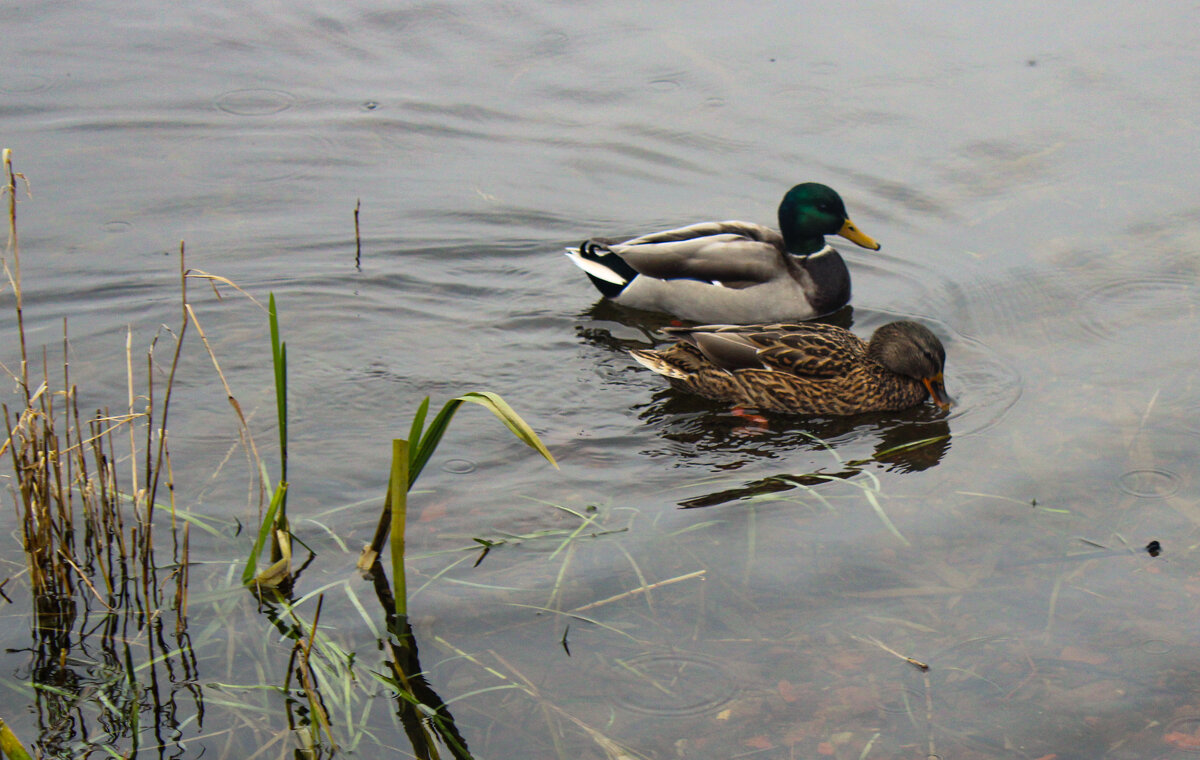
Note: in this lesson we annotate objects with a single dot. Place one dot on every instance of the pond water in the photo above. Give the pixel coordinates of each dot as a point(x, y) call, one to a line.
point(1031, 174)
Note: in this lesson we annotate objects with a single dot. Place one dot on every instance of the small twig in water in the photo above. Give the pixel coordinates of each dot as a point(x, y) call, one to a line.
point(357, 237)
point(911, 661)
point(640, 590)
point(929, 716)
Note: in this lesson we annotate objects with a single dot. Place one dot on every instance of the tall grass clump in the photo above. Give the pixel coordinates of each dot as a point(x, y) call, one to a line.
point(86, 521)
point(86, 485)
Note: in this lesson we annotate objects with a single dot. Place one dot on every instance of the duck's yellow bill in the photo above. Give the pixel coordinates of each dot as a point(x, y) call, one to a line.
point(937, 391)
point(851, 233)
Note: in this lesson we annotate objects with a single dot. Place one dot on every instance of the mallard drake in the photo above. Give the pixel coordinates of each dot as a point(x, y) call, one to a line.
point(734, 272)
point(807, 368)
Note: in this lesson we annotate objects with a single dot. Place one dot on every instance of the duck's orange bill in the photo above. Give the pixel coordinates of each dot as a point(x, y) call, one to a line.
point(937, 391)
point(851, 233)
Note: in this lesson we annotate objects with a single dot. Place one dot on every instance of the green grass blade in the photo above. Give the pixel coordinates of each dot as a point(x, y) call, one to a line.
point(188, 517)
point(398, 483)
point(910, 445)
point(279, 361)
point(264, 532)
point(511, 420)
point(491, 401)
point(433, 436)
point(418, 425)
point(10, 745)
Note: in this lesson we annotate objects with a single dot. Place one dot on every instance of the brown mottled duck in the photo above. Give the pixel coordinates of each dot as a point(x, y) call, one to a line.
point(806, 368)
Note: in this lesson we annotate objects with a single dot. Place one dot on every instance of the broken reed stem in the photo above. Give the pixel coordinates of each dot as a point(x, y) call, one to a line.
point(243, 427)
point(162, 428)
point(148, 473)
point(133, 459)
point(357, 237)
point(14, 277)
point(181, 585)
point(65, 522)
point(110, 493)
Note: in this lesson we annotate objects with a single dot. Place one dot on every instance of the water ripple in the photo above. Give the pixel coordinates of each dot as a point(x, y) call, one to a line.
point(1107, 310)
point(984, 384)
point(1154, 646)
point(117, 226)
point(672, 685)
point(1149, 483)
point(249, 157)
point(1183, 731)
point(24, 84)
point(459, 466)
point(254, 102)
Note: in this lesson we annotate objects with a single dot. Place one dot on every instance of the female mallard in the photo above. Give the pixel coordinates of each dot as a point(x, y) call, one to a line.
point(734, 272)
point(807, 368)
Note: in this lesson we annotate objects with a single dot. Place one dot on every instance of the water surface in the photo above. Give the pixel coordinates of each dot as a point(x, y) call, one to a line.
point(1030, 175)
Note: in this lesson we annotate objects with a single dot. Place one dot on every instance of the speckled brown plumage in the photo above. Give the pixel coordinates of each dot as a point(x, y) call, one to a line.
point(805, 368)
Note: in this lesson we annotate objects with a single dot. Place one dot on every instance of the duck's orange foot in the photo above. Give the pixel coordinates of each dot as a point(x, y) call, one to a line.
point(755, 423)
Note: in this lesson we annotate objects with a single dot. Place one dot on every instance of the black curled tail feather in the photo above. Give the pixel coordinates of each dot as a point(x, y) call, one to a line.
point(597, 250)
point(593, 248)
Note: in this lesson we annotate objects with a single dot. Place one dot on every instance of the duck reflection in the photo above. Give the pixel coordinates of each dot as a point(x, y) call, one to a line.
point(909, 441)
point(920, 447)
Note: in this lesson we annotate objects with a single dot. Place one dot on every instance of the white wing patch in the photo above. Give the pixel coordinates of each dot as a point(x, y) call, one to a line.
point(595, 269)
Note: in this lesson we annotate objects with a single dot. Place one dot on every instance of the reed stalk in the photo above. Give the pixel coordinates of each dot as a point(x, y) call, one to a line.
point(97, 591)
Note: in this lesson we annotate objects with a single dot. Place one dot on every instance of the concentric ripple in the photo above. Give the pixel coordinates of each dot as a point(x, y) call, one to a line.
point(254, 102)
point(117, 226)
point(24, 84)
point(1149, 483)
point(905, 702)
point(1155, 646)
point(984, 384)
point(1108, 310)
point(459, 466)
point(1184, 734)
point(672, 685)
